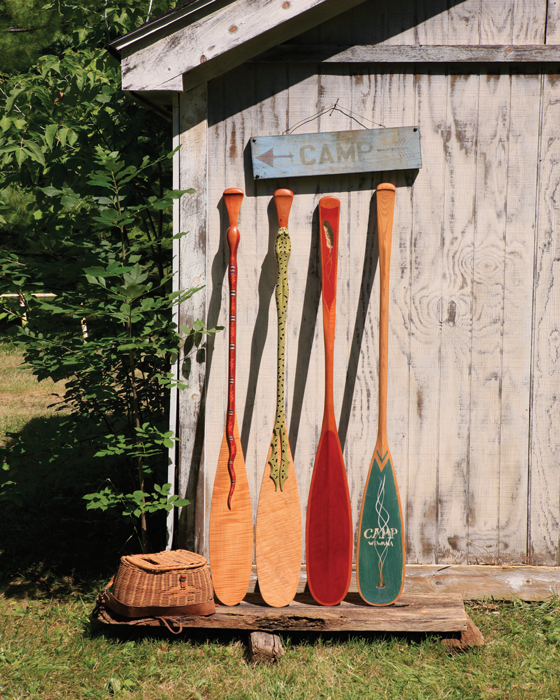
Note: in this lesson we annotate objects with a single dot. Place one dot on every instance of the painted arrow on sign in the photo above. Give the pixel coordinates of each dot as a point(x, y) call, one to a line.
point(269, 157)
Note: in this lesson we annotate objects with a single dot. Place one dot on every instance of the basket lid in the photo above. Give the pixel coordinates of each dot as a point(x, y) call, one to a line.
point(165, 561)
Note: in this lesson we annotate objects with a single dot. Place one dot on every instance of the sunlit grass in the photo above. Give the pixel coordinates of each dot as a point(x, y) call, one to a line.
point(22, 397)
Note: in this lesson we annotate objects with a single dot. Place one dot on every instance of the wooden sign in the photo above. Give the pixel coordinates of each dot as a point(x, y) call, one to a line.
point(368, 150)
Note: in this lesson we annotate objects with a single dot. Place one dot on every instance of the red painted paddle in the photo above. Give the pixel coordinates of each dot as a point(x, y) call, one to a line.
point(231, 522)
point(329, 515)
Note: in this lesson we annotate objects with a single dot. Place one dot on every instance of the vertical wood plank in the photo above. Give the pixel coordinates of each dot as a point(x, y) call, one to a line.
point(553, 22)
point(529, 21)
point(457, 241)
point(424, 310)
point(192, 260)
point(173, 452)
point(464, 22)
point(488, 299)
point(545, 408)
point(523, 140)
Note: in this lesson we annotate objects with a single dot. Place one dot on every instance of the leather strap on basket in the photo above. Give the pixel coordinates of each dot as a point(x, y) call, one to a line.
point(206, 608)
point(166, 623)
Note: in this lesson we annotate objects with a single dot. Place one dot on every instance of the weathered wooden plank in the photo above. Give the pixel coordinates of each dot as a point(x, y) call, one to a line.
point(487, 311)
point(383, 53)
point(327, 153)
point(478, 582)
point(464, 23)
point(425, 327)
point(544, 488)
point(212, 42)
point(193, 124)
point(455, 310)
point(529, 22)
point(173, 453)
point(412, 613)
point(553, 22)
point(472, 582)
point(523, 142)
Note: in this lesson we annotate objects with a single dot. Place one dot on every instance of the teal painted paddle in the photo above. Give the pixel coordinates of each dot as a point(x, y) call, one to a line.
point(380, 556)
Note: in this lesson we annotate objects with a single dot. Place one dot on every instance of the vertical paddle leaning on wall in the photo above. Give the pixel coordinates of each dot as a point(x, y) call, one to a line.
point(329, 517)
point(278, 532)
point(231, 521)
point(380, 554)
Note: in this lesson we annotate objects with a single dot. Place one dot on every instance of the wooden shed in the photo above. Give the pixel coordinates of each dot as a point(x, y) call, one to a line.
point(474, 344)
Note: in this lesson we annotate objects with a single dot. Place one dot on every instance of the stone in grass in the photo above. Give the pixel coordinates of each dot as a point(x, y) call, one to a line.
point(265, 648)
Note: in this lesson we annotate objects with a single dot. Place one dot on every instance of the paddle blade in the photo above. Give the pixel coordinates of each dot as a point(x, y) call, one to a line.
point(380, 556)
point(329, 525)
point(230, 537)
point(278, 539)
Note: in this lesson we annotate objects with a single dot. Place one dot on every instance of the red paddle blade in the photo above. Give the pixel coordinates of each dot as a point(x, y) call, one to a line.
point(329, 525)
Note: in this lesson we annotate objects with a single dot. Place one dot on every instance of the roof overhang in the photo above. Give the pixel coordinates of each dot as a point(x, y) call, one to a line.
point(201, 40)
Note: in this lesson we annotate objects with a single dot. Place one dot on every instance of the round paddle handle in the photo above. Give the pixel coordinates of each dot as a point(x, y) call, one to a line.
point(233, 198)
point(283, 199)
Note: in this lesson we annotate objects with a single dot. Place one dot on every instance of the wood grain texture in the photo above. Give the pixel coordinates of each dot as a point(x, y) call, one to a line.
point(231, 522)
point(414, 613)
point(369, 53)
point(544, 491)
point(279, 531)
point(191, 262)
point(329, 517)
point(553, 22)
point(213, 42)
point(230, 536)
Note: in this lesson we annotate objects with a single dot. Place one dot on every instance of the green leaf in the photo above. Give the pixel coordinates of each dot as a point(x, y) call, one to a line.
point(50, 133)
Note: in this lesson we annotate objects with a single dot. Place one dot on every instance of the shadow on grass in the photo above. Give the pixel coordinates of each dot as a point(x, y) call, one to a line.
point(50, 545)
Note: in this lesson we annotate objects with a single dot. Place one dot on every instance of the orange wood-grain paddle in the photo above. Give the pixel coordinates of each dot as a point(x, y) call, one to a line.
point(231, 520)
point(278, 533)
point(329, 516)
point(380, 556)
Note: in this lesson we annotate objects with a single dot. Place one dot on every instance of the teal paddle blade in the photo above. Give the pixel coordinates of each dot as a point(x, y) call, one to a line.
point(380, 541)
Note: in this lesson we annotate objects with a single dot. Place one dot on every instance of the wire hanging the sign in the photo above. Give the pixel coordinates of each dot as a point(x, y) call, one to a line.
point(332, 108)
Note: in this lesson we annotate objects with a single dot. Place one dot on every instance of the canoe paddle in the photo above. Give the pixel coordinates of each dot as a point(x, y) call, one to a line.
point(231, 522)
point(380, 555)
point(329, 516)
point(278, 533)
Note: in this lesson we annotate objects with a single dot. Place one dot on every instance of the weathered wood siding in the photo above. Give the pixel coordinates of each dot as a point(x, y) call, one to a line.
point(474, 354)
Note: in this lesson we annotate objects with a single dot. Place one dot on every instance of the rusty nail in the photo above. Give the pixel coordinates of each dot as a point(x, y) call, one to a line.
point(203, 59)
point(285, 5)
point(233, 28)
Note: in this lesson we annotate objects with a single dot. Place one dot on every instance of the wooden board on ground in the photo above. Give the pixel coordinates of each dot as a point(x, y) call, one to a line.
point(411, 613)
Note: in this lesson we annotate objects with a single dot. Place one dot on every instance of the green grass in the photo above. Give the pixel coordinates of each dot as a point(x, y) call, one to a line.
point(22, 397)
point(55, 556)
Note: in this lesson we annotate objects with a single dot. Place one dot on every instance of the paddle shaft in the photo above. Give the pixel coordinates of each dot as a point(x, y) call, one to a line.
point(279, 464)
point(385, 210)
point(233, 198)
point(329, 212)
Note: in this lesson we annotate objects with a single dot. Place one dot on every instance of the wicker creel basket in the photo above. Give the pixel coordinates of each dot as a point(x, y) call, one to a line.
point(162, 584)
